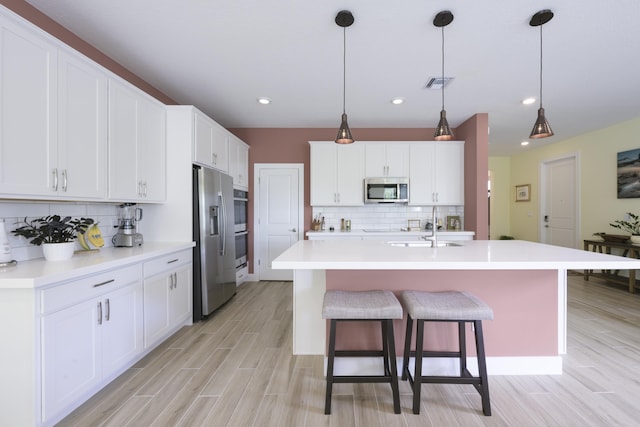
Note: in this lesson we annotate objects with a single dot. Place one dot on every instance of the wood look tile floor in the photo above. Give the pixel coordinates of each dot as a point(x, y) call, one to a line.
point(236, 369)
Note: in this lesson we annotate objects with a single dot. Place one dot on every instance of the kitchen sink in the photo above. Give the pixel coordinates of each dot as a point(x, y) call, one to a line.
point(423, 244)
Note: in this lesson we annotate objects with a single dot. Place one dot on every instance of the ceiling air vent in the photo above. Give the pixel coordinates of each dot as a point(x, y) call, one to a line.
point(438, 82)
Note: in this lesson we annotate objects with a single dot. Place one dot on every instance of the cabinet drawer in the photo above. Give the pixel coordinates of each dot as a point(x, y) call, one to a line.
point(76, 291)
point(167, 262)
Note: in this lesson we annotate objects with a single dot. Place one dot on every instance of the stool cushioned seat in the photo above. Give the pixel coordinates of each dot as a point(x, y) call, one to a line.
point(451, 305)
point(361, 305)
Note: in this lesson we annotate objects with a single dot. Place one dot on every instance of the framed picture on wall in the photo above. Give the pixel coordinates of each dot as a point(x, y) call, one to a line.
point(629, 174)
point(523, 193)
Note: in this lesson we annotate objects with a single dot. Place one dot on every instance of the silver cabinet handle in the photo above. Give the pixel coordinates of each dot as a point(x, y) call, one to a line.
point(100, 313)
point(172, 261)
point(64, 180)
point(103, 283)
point(108, 308)
point(55, 179)
point(175, 278)
point(293, 230)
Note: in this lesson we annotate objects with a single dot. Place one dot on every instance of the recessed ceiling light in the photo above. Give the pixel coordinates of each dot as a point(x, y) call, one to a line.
point(528, 101)
point(264, 101)
point(524, 143)
point(397, 101)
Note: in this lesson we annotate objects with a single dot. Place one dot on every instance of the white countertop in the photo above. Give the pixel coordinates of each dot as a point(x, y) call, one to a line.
point(334, 254)
point(38, 272)
point(397, 232)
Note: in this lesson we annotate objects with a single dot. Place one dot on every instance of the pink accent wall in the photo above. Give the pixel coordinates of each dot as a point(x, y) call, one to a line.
point(476, 173)
point(525, 306)
point(30, 13)
point(291, 145)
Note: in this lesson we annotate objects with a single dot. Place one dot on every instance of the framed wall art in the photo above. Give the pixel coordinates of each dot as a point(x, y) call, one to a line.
point(629, 174)
point(523, 193)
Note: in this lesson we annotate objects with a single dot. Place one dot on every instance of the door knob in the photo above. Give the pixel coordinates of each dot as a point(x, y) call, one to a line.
point(293, 230)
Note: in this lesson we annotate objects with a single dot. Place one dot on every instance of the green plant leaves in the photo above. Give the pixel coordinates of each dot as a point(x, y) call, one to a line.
point(52, 229)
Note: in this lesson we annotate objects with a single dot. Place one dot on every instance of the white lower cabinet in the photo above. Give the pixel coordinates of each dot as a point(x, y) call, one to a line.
point(91, 329)
point(167, 295)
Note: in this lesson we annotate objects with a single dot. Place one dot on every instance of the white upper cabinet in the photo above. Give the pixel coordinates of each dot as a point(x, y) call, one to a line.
point(386, 159)
point(337, 174)
point(239, 162)
point(437, 173)
point(211, 144)
point(82, 128)
point(137, 145)
point(28, 139)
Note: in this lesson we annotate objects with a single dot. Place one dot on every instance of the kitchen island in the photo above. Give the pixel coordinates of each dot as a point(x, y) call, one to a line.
point(524, 283)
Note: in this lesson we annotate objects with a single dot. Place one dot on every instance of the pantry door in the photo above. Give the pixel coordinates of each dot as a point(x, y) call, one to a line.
point(278, 218)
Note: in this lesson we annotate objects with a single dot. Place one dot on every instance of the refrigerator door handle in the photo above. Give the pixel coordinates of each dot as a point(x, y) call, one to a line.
point(222, 223)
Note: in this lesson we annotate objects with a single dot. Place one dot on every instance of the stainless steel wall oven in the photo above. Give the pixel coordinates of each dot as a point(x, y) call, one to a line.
point(241, 213)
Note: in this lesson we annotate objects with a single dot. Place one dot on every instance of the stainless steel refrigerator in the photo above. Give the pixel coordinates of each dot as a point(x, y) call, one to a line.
point(214, 268)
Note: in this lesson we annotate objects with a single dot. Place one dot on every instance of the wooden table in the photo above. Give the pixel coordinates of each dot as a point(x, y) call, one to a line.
point(628, 250)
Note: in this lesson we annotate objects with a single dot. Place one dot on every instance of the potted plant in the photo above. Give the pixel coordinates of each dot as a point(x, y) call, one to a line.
point(57, 235)
point(631, 225)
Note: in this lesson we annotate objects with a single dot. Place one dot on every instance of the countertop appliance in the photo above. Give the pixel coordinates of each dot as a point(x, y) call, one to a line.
point(386, 190)
point(128, 217)
point(214, 256)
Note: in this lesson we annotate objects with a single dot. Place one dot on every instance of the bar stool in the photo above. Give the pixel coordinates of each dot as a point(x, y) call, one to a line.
point(459, 307)
point(378, 306)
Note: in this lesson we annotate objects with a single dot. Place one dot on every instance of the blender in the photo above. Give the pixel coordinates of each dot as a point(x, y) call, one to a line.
point(128, 217)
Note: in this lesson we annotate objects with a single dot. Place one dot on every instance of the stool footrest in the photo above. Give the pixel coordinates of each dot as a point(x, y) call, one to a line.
point(362, 379)
point(453, 354)
point(359, 353)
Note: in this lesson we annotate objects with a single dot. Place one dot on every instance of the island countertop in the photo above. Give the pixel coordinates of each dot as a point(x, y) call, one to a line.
point(470, 255)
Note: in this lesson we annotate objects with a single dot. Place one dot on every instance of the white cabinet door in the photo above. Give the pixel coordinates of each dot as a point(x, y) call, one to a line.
point(123, 137)
point(397, 159)
point(324, 176)
point(121, 327)
point(152, 149)
point(350, 172)
point(239, 162)
point(437, 173)
point(82, 128)
point(167, 295)
point(337, 173)
point(71, 354)
point(449, 170)
point(28, 74)
point(211, 144)
point(180, 301)
point(375, 159)
point(137, 145)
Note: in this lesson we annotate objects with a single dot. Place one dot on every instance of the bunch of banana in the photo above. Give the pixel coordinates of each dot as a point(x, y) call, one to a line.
point(93, 236)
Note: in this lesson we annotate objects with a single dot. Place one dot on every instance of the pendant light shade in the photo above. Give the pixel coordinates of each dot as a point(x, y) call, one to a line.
point(541, 128)
point(443, 131)
point(344, 19)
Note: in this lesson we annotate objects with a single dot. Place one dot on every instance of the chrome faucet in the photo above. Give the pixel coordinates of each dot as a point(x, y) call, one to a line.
point(434, 229)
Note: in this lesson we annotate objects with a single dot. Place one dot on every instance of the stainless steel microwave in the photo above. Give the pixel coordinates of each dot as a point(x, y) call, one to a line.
point(386, 190)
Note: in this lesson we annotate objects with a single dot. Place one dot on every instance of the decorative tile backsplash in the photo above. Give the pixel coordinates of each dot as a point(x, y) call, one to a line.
point(14, 213)
point(384, 216)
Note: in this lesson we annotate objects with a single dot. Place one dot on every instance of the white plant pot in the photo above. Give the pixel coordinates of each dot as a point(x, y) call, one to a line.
point(635, 239)
point(58, 251)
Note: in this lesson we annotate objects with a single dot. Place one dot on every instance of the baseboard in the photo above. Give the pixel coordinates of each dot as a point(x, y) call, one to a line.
point(543, 365)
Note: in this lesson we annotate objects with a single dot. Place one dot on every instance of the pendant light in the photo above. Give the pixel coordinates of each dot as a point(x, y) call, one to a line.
point(344, 19)
point(443, 131)
point(541, 128)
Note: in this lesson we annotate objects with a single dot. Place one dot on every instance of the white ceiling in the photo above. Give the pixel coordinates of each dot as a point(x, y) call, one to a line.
point(221, 55)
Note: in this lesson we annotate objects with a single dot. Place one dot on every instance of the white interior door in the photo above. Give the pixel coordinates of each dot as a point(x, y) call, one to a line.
point(559, 210)
point(278, 215)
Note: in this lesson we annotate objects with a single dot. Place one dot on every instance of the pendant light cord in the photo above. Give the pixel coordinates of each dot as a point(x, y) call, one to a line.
point(541, 65)
point(442, 28)
point(344, 69)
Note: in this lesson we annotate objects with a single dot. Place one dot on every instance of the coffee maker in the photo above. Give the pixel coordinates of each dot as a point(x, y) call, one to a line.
point(128, 217)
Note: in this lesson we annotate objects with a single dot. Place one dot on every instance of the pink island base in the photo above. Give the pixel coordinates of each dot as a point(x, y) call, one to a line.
point(524, 302)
